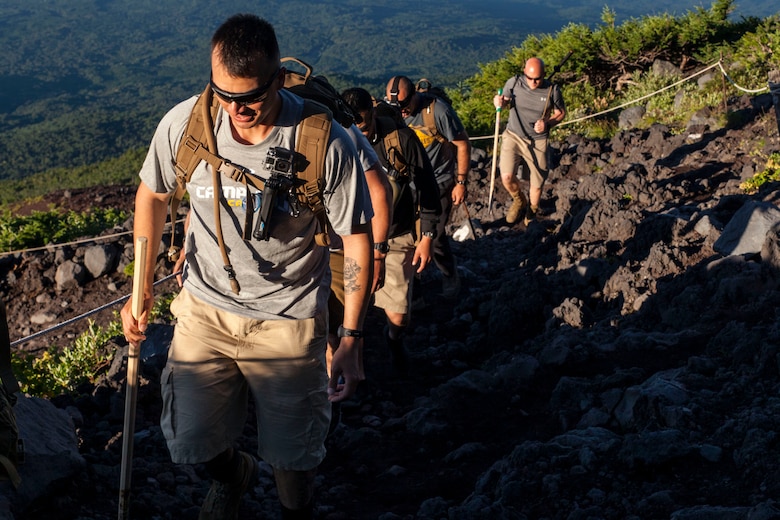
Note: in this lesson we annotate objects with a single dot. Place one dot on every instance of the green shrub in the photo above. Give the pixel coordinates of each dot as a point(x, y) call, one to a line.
point(54, 226)
point(58, 371)
point(605, 57)
point(770, 173)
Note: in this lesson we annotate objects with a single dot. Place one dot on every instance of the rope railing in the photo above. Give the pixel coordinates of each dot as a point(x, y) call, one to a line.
point(717, 64)
point(76, 242)
point(84, 315)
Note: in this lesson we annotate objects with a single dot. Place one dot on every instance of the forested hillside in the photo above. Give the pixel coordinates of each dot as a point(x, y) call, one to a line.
point(86, 81)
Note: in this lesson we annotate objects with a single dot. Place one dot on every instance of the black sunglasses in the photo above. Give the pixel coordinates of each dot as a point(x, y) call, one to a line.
point(245, 98)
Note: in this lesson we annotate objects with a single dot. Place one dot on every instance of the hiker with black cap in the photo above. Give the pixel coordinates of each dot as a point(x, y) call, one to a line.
point(446, 142)
point(404, 161)
point(536, 106)
point(258, 323)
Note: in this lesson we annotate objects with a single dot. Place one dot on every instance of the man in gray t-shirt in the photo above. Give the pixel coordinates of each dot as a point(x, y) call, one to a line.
point(536, 106)
point(266, 336)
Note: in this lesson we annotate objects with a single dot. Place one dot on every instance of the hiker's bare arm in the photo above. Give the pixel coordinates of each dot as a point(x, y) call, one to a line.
point(545, 124)
point(463, 150)
point(422, 254)
point(149, 219)
point(382, 200)
point(347, 359)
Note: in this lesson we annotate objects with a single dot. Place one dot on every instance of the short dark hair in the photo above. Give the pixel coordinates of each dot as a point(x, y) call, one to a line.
point(245, 43)
point(358, 99)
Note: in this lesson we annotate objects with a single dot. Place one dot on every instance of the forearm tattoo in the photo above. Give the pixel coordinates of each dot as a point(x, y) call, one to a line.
point(351, 272)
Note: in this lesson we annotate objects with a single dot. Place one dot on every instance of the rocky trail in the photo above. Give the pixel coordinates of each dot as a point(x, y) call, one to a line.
point(616, 359)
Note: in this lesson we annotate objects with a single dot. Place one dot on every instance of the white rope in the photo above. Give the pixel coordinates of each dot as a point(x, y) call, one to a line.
point(628, 103)
point(754, 91)
point(717, 64)
point(85, 315)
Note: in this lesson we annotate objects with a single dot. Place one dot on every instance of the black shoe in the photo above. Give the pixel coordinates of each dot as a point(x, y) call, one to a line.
point(450, 286)
point(399, 354)
point(530, 215)
point(223, 498)
point(335, 417)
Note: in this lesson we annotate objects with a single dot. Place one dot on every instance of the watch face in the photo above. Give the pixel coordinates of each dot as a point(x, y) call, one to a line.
point(382, 247)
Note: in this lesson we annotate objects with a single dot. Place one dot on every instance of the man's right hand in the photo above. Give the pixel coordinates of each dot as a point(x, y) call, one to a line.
point(135, 329)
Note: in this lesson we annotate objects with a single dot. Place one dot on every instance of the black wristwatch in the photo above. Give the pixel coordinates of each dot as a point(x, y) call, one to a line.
point(352, 333)
point(382, 247)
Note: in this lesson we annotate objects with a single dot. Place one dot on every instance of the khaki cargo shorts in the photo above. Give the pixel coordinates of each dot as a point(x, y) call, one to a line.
point(217, 359)
point(396, 294)
point(531, 154)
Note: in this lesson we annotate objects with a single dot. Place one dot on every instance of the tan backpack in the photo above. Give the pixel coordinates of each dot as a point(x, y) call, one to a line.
point(199, 144)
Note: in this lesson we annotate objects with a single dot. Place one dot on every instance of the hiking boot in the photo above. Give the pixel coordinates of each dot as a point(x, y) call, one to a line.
point(399, 354)
point(519, 202)
point(530, 215)
point(450, 286)
point(223, 498)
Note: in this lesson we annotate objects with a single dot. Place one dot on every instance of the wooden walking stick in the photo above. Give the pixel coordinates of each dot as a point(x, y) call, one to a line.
point(133, 354)
point(493, 166)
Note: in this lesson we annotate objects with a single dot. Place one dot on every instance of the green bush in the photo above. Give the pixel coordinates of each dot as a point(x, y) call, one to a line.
point(58, 371)
point(611, 57)
point(770, 173)
point(54, 226)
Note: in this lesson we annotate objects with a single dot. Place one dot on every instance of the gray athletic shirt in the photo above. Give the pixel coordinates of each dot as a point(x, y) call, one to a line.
point(530, 104)
point(444, 158)
point(286, 277)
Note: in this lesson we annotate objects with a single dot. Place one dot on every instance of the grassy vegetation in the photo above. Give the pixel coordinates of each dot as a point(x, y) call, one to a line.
point(54, 226)
point(770, 173)
point(611, 66)
point(59, 370)
point(62, 370)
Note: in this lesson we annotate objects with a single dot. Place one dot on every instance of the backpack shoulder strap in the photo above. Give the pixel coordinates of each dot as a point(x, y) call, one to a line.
point(392, 143)
point(313, 134)
point(196, 143)
point(429, 121)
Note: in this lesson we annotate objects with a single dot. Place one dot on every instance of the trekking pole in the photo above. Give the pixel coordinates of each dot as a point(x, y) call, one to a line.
point(133, 354)
point(493, 166)
point(557, 68)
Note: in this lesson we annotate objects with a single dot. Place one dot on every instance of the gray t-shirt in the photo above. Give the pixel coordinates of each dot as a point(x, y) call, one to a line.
point(286, 277)
point(530, 104)
point(368, 158)
point(443, 156)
